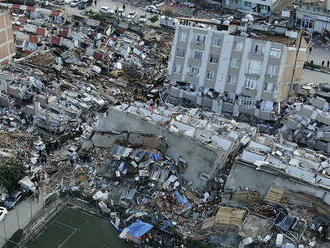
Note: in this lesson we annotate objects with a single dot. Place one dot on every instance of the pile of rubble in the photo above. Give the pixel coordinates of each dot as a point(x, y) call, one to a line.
point(307, 123)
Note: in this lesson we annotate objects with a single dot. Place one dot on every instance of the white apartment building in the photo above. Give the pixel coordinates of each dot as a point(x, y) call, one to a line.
point(258, 7)
point(228, 73)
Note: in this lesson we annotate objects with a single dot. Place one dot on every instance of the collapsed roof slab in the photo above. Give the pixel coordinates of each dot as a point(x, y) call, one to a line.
point(202, 160)
point(243, 176)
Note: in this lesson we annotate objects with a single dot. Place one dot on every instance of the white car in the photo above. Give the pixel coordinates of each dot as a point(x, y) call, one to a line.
point(39, 145)
point(131, 15)
point(152, 9)
point(67, 1)
point(3, 212)
point(105, 10)
point(143, 19)
point(74, 3)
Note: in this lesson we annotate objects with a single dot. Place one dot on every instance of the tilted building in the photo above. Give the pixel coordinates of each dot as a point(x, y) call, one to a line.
point(226, 72)
point(7, 45)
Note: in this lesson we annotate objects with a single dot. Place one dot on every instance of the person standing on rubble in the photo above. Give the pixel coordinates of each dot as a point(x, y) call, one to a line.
point(328, 63)
point(95, 2)
point(323, 63)
point(124, 7)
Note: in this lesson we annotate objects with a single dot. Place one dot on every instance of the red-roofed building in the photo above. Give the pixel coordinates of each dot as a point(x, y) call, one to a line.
point(33, 39)
point(98, 56)
point(41, 31)
point(56, 40)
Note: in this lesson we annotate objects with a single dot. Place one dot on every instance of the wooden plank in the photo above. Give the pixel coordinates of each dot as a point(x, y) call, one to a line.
point(274, 195)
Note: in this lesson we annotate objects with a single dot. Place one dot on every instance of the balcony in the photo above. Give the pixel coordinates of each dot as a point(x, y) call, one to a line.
point(197, 45)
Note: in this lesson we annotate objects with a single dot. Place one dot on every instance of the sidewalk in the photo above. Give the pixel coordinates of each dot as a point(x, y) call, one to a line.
point(318, 55)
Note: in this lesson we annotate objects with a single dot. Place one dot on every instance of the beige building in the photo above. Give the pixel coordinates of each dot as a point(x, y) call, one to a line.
point(225, 72)
point(7, 45)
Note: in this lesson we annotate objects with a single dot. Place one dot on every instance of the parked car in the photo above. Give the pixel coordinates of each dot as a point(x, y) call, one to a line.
point(131, 15)
point(39, 145)
point(104, 10)
point(142, 19)
point(111, 12)
point(152, 9)
point(67, 1)
point(74, 3)
point(13, 199)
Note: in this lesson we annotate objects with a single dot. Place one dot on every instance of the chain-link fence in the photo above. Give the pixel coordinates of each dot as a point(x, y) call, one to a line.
point(27, 215)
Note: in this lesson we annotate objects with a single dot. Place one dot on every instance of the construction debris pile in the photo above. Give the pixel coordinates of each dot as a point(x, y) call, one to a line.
point(308, 123)
point(287, 158)
point(209, 128)
point(46, 101)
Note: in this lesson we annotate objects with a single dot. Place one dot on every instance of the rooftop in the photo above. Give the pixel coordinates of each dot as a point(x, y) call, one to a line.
point(273, 34)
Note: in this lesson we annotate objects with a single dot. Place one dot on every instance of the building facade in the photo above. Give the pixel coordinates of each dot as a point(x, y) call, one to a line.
point(313, 16)
point(7, 45)
point(228, 73)
point(258, 7)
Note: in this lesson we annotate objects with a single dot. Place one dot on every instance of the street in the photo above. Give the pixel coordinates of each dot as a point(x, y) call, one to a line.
point(113, 5)
point(310, 76)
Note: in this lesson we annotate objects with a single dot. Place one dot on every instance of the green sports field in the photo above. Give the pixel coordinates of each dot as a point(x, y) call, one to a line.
point(73, 228)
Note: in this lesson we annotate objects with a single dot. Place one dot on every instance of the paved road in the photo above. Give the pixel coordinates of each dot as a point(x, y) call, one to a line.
point(19, 217)
point(115, 5)
point(316, 77)
point(319, 54)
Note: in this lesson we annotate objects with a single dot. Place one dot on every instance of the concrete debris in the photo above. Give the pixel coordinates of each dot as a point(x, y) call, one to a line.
point(82, 108)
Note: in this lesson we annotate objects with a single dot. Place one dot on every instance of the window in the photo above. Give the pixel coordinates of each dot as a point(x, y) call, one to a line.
point(250, 83)
point(238, 46)
point(247, 4)
point(216, 42)
point(200, 39)
point(269, 87)
point(272, 70)
point(198, 55)
point(247, 101)
point(177, 68)
point(254, 67)
point(193, 71)
point(275, 53)
point(257, 49)
point(183, 37)
point(180, 52)
point(235, 63)
point(232, 79)
point(210, 75)
point(214, 58)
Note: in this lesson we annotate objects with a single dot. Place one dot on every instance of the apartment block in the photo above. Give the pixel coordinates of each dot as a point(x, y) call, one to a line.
point(313, 15)
point(257, 7)
point(225, 72)
point(7, 45)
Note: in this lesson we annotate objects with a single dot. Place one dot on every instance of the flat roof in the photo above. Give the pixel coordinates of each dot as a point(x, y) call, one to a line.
point(260, 35)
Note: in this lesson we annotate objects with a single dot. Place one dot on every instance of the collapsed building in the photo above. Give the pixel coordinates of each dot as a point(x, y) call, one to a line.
point(208, 142)
point(307, 123)
point(154, 165)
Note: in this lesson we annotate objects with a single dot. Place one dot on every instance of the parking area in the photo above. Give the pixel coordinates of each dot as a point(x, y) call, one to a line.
point(129, 11)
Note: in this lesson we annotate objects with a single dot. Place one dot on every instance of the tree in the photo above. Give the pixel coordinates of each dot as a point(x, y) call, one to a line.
point(154, 19)
point(11, 171)
point(168, 13)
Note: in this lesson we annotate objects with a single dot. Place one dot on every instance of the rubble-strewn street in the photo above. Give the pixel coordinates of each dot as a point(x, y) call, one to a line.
point(189, 126)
